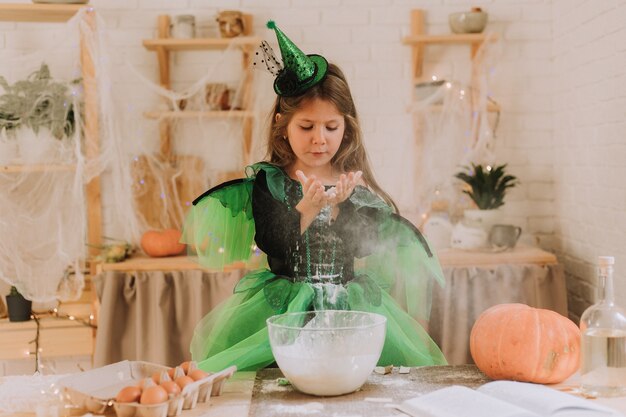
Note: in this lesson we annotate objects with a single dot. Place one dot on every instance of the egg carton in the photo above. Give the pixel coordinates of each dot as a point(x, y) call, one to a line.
point(95, 390)
point(170, 408)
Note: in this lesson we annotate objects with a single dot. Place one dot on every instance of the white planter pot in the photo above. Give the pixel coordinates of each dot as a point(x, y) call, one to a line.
point(483, 219)
point(468, 238)
point(438, 230)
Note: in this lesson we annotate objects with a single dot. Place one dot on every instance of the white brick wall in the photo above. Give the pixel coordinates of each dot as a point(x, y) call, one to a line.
point(589, 49)
point(364, 38)
point(560, 80)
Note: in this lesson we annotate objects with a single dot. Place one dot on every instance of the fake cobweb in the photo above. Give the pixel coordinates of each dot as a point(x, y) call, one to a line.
point(148, 178)
point(455, 120)
point(47, 159)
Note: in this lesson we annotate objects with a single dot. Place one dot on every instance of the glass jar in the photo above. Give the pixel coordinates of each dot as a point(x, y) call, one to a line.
point(184, 26)
point(603, 344)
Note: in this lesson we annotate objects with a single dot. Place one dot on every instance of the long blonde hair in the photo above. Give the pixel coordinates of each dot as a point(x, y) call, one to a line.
point(351, 155)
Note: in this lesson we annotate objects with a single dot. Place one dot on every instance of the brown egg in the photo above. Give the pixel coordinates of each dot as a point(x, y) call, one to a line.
point(170, 372)
point(153, 395)
point(183, 381)
point(171, 387)
point(128, 395)
point(197, 374)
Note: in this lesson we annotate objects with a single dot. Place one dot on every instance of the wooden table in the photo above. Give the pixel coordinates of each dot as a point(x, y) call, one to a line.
point(520, 255)
point(237, 401)
point(370, 401)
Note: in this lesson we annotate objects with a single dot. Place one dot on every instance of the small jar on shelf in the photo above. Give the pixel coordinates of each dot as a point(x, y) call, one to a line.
point(184, 26)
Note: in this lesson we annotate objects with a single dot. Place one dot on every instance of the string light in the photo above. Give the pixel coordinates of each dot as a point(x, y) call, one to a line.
point(54, 313)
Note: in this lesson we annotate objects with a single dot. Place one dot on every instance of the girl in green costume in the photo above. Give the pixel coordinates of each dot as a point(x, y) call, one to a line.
point(314, 215)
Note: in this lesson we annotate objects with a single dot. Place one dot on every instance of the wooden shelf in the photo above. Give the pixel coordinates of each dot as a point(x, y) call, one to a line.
point(37, 168)
point(24, 12)
point(169, 263)
point(197, 44)
point(417, 40)
point(518, 256)
point(452, 38)
point(198, 114)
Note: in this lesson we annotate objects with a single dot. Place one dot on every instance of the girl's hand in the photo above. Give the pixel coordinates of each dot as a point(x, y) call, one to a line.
point(314, 196)
point(344, 187)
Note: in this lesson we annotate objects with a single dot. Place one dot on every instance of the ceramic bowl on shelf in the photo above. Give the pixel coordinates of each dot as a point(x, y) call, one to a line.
point(329, 352)
point(473, 21)
point(430, 91)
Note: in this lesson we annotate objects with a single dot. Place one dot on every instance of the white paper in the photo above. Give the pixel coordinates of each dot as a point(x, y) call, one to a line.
point(503, 399)
point(544, 400)
point(458, 401)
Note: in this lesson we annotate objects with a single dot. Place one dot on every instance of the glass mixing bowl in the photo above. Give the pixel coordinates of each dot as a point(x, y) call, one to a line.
point(330, 352)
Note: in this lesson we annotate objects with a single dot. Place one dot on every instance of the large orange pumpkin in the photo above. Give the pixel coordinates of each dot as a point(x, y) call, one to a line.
point(162, 243)
point(522, 343)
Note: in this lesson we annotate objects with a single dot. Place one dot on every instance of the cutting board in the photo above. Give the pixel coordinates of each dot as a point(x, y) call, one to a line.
point(164, 191)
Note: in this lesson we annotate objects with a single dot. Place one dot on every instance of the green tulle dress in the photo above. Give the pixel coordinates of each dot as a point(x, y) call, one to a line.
point(367, 259)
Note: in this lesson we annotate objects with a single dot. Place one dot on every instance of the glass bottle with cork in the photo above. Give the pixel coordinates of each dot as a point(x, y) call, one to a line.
point(603, 332)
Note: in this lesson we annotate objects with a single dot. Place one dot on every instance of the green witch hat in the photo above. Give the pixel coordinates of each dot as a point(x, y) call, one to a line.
point(300, 72)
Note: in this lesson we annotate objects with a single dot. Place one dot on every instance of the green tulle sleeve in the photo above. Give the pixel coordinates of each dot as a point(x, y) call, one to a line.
point(403, 263)
point(219, 227)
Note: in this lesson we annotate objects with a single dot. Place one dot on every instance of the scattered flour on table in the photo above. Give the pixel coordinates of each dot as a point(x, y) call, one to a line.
point(395, 382)
point(346, 415)
point(272, 386)
point(25, 393)
point(308, 408)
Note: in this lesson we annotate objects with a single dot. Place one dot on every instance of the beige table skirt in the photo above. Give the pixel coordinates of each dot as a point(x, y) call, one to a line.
point(471, 290)
point(151, 315)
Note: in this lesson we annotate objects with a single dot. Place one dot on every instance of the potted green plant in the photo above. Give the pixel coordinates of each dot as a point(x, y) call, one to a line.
point(38, 103)
point(487, 189)
point(18, 307)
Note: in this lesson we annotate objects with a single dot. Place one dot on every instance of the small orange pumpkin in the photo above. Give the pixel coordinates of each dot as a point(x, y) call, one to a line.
point(522, 343)
point(162, 243)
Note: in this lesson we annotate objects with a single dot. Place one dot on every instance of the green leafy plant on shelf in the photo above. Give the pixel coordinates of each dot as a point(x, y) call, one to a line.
point(38, 102)
point(487, 184)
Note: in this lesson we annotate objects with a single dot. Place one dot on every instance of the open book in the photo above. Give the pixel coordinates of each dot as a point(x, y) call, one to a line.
point(503, 399)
